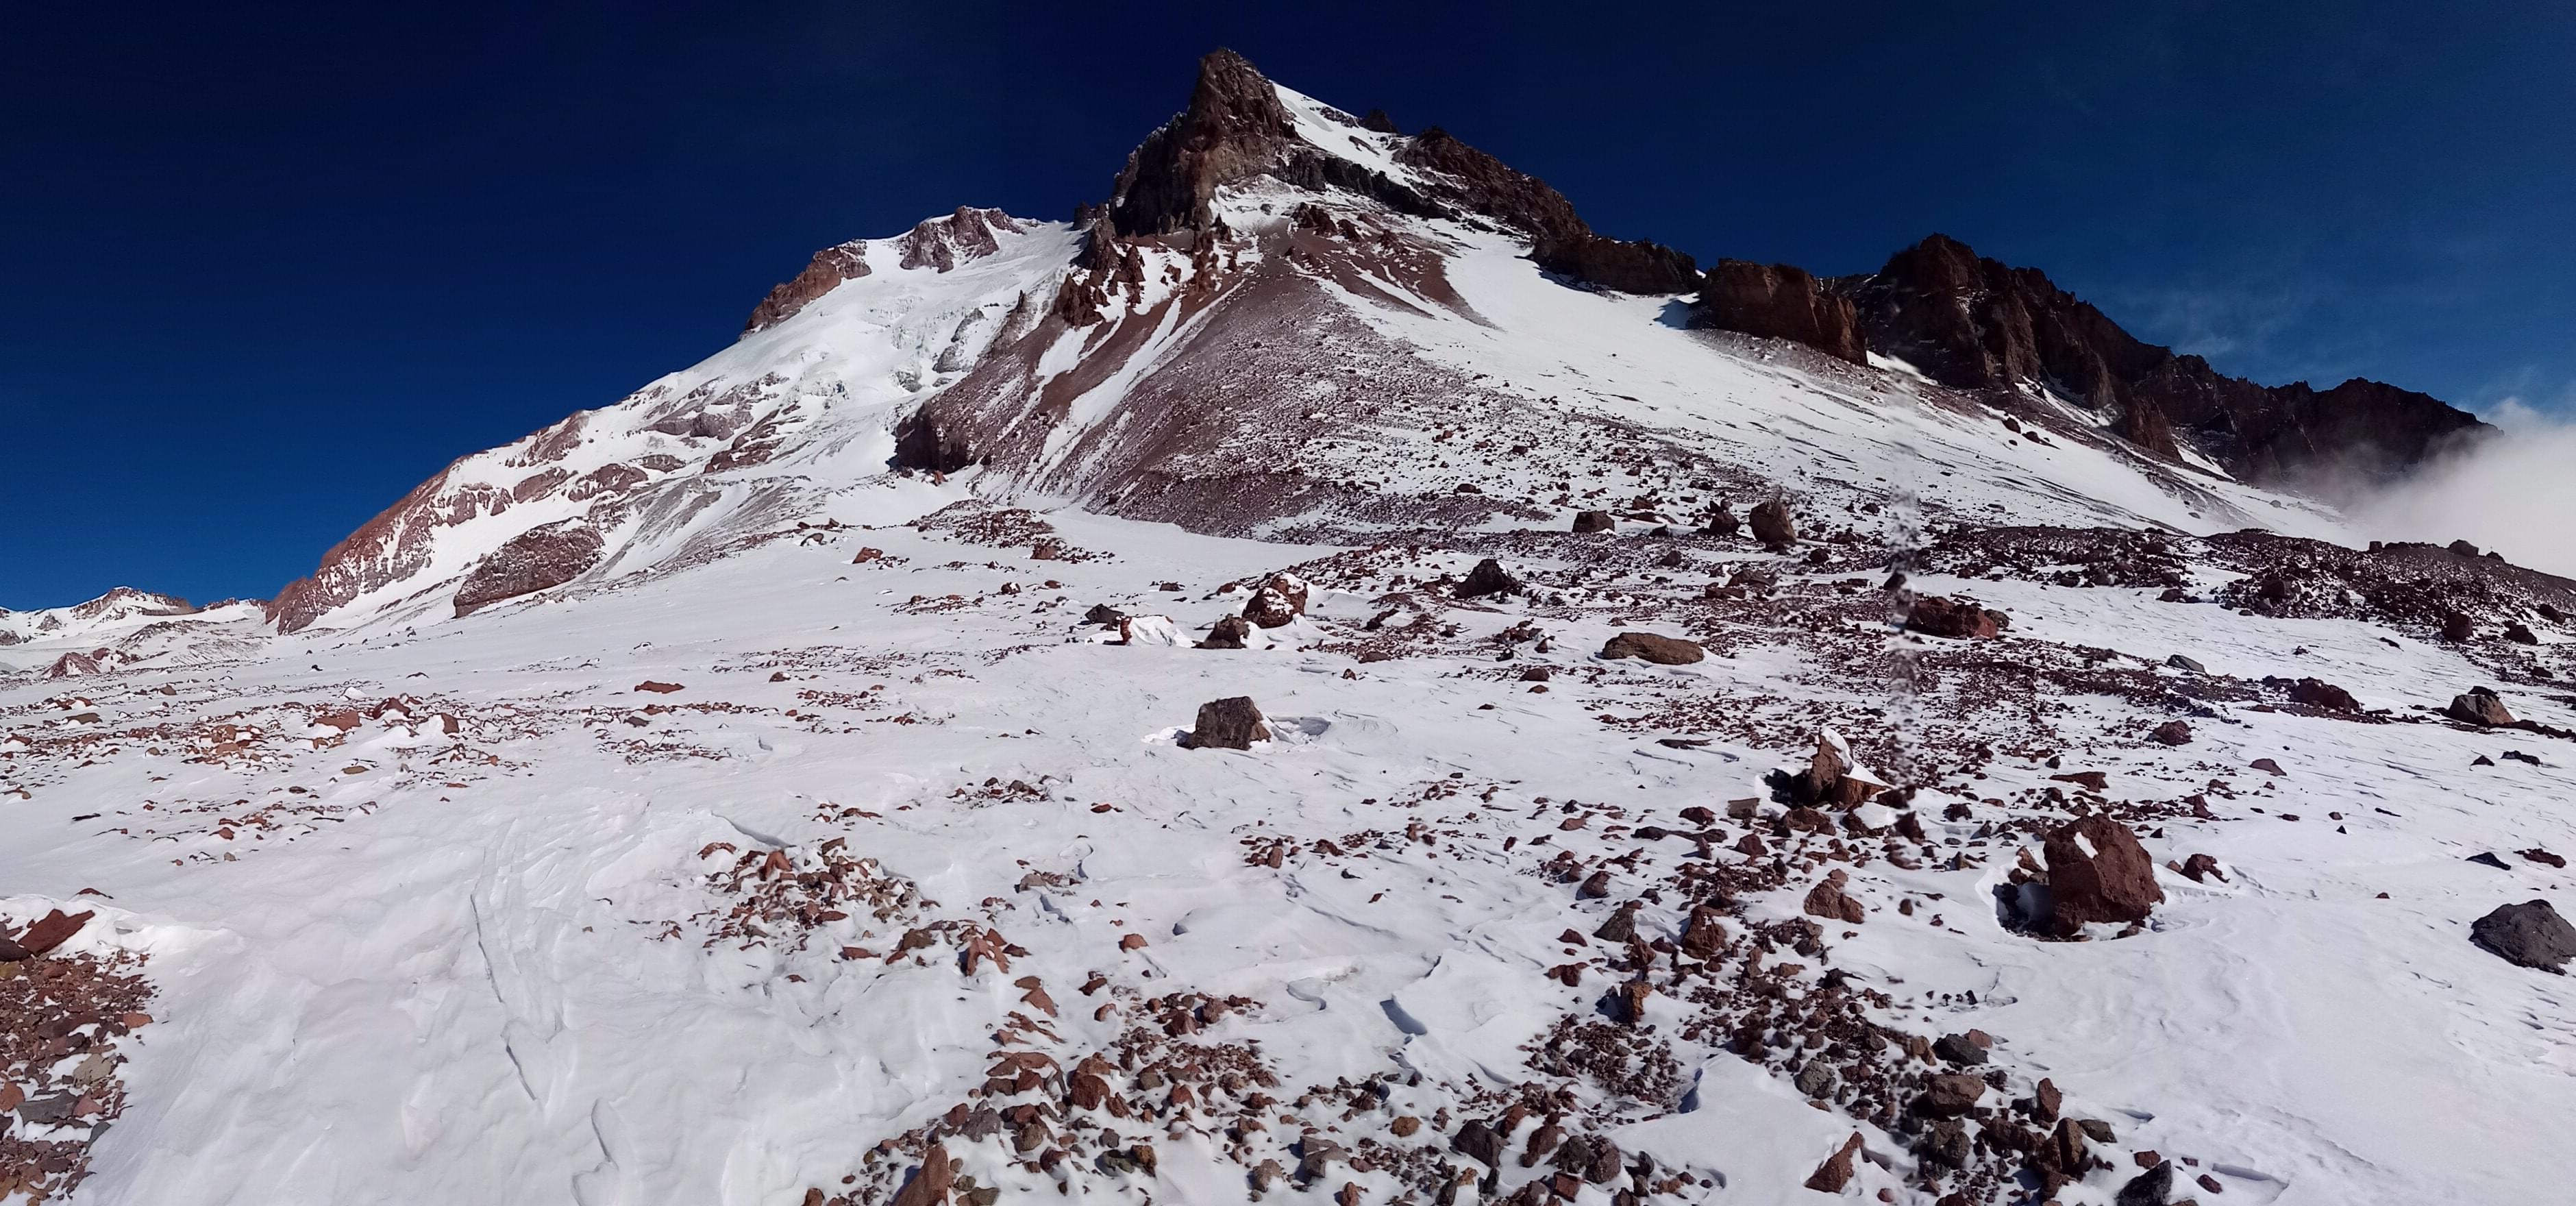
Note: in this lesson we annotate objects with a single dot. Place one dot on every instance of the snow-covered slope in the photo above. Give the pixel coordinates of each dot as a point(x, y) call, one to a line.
point(807, 780)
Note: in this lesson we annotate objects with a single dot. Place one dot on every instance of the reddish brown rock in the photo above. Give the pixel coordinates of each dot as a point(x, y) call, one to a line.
point(1777, 301)
point(2097, 872)
point(2172, 732)
point(828, 269)
point(1949, 1095)
point(1661, 650)
point(1594, 521)
point(52, 930)
point(1957, 619)
point(1829, 900)
point(529, 562)
point(1629, 267)
point(928, 1186)
point(1836, 1171)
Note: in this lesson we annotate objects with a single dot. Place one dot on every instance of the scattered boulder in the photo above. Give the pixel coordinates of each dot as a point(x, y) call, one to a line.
point(659, 688)
point(2199, 867)
point(2179, 662)
point(1832, 776)
point(1836, 1171)
point(2097, 872)
point(929, 1186)
point(1967, 1050)
point(1594, 521)
point(1661, 650)
point(2521, 634)
point(2172, 732)
point(1828, 900)
point(1935, 615)
point(2458, 629)
point(1724, 522)
point(1228, 633)
point(1773, 526)
point(2530, 934)
point(1950, 1095)
point(2149, 1188)
point(1278, 601)
point(1489, 578)
point(2316, 694)
point(1104, 615)
point(2479, 707)
point(1479, 1142)
point(1233, 723)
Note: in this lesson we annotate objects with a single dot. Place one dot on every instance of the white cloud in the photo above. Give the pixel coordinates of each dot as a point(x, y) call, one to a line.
point(2514, 492)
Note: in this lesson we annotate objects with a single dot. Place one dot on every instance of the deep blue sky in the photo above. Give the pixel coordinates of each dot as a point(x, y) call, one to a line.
point(265, 268)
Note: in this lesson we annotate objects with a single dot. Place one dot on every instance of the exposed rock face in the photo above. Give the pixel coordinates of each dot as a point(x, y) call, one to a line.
point(1975, 323)
point(1560, 241)
point(1777, 301)
point(1231, 724)
point(1235, 128)
point(1661, 650)
point(2097, 871)
point(1630, 267)
point(830, 267)
point(2530, 934)
point(530, 561)
point(944, 243)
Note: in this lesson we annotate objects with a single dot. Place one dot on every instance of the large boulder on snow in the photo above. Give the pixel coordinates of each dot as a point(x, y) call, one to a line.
point(1773, 526)
point(1280, 600)
point(1229, 724)
point(1661, 650)
point(2097, 872)
point(2479, 707)
point(1490, 578)
point(2531, 934)
point(1958, 619)
point(529, 562)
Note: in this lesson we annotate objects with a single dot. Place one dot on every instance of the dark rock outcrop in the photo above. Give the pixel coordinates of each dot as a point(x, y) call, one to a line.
point(1235, 128)
point(529, 562)
point(1560, 241)
point(1629, 267)
point(1490, 578)
point(1977, 324)
point(1778, 301)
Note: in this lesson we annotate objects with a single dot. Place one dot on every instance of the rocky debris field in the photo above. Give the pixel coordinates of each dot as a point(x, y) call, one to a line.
point(960, 856)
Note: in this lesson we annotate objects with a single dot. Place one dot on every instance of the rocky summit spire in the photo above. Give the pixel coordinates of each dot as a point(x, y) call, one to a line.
point(1235, 128)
